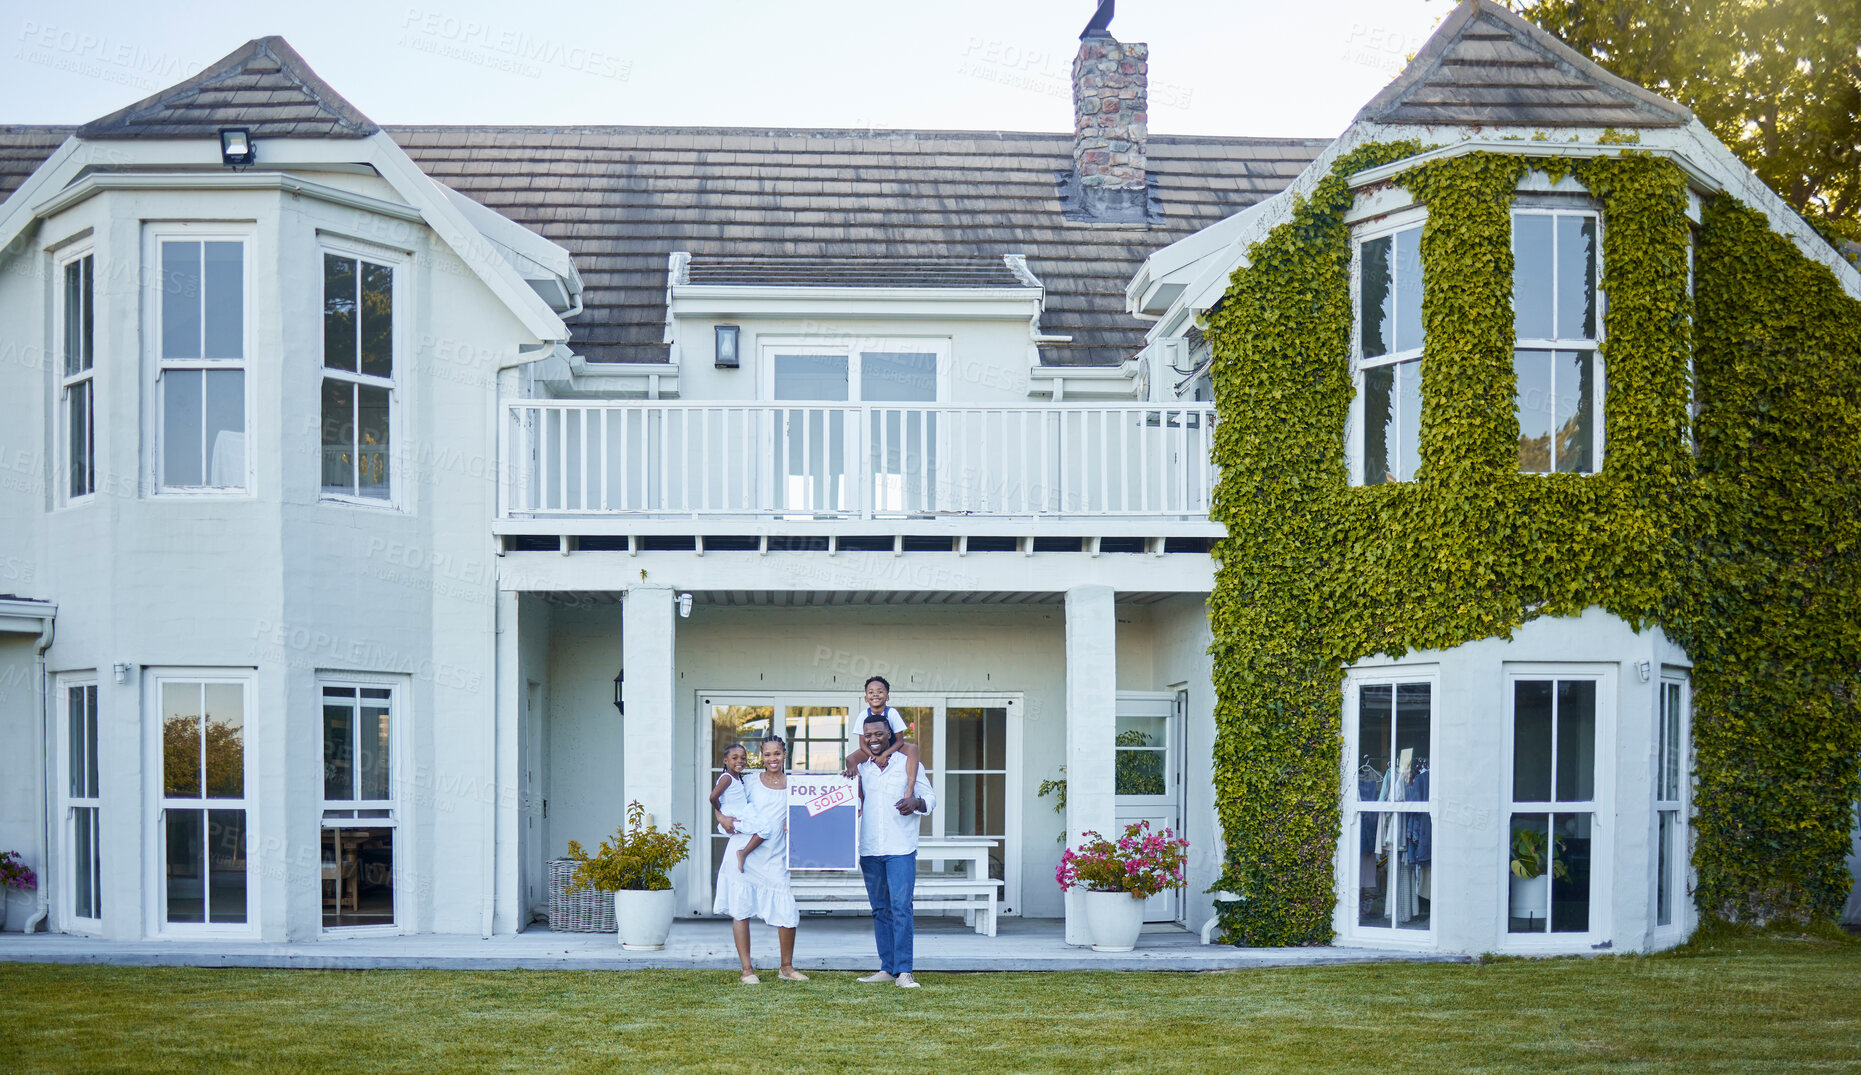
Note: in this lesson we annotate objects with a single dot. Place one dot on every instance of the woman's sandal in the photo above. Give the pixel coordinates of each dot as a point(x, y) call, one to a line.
point(790, 974)
point(751, 979)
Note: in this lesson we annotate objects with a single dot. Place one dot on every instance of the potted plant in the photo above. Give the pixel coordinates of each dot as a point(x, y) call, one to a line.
point(14, 873)
point(635, 865)
point(1530, 859)
point(1119, 876)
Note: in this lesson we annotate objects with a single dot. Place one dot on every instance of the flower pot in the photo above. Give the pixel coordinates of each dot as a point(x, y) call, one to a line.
point(1114, 919)
point(1528, 895)
point(644, 919)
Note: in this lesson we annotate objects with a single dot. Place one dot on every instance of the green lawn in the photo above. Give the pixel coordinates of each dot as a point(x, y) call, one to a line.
point(1730, 1005)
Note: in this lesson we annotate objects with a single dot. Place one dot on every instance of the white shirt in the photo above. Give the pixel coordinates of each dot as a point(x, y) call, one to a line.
point(858, 724)
point(882, 829)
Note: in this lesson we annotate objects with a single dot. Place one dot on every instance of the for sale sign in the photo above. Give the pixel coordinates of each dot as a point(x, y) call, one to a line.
point(823, 822)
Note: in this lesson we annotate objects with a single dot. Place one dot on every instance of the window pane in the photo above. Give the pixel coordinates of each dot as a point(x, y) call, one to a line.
point(180, 300)
point(1529, 854)
point(1670, 742)
point(372, 752)
point(358, 877)
point(1576, 277)
point(1414, 836)
point(1412, 736)
point(74, 739)
point(821, 377)
point(1533, 402)
point(226, 427)
point(1376, 843)
point(181, 740)
point(181, 403)
point(1379, 407)
point(974, 804)
point(1576, 740)
point(975, 738)
point(738, 724)
point(92, 787)
point(226, 300)
point(1408, 289)
point(371, 430)
point(1376, 298)
point(1375, 714)
point(1531, 276)
point(1531, 741)
point(1570, 886)
point(86, 864)
point(1408, 420)
point(75, 328)
point(339, 320)
point(88, 329)
point(1576, 394)
point(78, 456)
point(226, 866)
point(1664, 871)
point(225, 740)
point(184, 849)
point(889, 377)
point(923, 732)
point(377, 320)
point(338, 752)
point(1142, 749)
point(338, 436)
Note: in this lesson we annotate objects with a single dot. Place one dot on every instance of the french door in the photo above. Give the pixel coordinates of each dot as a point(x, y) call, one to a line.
point(1147, 779)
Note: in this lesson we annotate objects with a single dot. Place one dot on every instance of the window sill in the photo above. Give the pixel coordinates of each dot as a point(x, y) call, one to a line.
point(366, 502)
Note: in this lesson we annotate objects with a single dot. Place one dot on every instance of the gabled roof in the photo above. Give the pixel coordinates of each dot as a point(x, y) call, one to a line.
point(263, 85)
point(1486, 66)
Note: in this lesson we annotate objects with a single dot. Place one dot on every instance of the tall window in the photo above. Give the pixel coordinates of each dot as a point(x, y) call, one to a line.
point(203, 804)
point(1555, 324)
point(359, 819)
point(77, 387)
point(1391, 823)
point(1670, 777)
point(1389, 356)
point(83, 832)
point(358, 376)
point(201, 337)
point(1554, 787)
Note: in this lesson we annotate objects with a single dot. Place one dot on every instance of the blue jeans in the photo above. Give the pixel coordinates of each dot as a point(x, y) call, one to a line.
point(889, 883)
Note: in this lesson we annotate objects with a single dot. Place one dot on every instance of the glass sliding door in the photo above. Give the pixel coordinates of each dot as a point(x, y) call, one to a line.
point(203, 808)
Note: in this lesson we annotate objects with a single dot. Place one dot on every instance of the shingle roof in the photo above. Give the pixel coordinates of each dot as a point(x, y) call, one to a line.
point(853, 272)
point(263, 85)
point(1486, 66)
point(621, 199)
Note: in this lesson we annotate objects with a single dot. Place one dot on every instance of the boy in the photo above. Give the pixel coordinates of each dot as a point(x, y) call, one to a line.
point(878, 692)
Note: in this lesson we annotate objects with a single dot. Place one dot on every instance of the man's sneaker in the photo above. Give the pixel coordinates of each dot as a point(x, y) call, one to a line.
point(879, 977)
point(906, 981)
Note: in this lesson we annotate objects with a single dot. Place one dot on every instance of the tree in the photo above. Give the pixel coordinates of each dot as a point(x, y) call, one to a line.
point(1778, 81)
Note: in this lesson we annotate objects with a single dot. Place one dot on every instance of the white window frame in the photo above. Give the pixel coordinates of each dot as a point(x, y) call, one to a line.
point(401, 264)
point(68, 382)
point(398, 739)
point(1355, 434)
point(154, 365)
point(154, 805)
point(1602, 809)
point(1679, 869)
point(1599, 377)
point(68, 804)
point(1350, 857)
point(1013, 842)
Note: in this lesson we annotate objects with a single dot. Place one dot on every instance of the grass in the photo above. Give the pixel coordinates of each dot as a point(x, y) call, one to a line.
point(1725, 1004)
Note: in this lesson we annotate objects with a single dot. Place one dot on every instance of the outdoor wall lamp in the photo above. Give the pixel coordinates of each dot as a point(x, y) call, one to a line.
point(1644, 669)
point(121, 671)
point(620, 676)
point(727, 336)
point(684, 606)
point(236, 146)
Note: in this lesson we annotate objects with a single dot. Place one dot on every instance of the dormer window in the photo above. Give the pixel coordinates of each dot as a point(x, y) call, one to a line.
point(1556, 326)
point(1387, 415)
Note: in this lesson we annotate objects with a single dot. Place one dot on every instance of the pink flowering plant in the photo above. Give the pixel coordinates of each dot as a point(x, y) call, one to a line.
point(1140, 862)
point(14, 873)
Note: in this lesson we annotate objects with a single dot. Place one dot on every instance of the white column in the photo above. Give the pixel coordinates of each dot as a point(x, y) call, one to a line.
point(1091, 714)
point(646, 633)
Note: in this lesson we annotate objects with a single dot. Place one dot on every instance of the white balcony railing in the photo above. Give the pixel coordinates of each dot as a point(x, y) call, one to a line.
point(853, 461)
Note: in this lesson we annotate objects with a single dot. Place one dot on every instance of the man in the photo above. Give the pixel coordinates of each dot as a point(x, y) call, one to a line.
point(888, 847)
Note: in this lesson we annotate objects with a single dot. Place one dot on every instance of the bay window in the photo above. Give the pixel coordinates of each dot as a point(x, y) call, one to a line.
point(201, 339)
point(1388, 410)
point(1556, 326)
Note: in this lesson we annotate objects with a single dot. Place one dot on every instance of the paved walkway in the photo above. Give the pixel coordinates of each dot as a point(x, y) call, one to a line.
point(826, 944)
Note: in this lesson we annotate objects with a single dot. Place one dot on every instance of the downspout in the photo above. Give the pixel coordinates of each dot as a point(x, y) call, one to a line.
point(45, 814)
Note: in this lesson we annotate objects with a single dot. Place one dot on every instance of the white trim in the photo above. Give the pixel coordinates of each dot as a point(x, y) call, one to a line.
point(153, 364)
point(155, 888)
point(95, 183)
point(401, 265)
point(1696, 175)
point(1349, 853)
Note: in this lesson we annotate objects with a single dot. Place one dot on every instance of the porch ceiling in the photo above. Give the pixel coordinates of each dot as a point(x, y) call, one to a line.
point(817, 598)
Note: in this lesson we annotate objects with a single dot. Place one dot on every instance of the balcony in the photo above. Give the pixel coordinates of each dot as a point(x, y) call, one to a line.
point(656, 467)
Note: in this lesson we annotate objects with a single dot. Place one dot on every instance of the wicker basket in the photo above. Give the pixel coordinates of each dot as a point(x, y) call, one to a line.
point(587, 911)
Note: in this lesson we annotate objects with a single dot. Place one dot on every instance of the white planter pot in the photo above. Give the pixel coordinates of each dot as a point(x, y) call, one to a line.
point(1114, 919)
point(643, 918)
point(1528, 895)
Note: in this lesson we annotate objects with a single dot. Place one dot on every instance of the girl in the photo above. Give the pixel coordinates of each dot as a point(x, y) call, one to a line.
point(730, 799)
point(752, 881)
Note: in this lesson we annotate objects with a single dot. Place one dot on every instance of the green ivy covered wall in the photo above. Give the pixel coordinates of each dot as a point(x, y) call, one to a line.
point(1745, 552)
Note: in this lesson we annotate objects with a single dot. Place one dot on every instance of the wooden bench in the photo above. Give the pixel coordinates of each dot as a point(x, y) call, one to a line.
point(972, 892)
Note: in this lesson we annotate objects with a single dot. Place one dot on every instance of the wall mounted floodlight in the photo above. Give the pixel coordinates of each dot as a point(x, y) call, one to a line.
point(1645, 669)
point(236, 146)
point(121, 672)
point(684, 605)
point(727, 338)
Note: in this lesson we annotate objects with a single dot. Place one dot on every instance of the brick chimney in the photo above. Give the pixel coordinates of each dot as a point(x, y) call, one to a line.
point(1111, 119)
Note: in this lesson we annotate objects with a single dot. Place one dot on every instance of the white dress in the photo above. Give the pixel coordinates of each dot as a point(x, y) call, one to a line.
point(761, 888)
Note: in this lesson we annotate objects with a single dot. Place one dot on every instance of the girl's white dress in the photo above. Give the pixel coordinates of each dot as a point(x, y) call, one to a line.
point(761, 888)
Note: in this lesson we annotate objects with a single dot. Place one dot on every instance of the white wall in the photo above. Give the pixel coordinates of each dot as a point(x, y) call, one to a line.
point(989, 359)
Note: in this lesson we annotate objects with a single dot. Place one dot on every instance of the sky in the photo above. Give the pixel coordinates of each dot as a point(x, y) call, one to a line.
point(1243, 67)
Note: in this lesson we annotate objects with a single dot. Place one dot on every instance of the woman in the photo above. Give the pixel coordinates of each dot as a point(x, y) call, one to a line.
point(752, 882)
